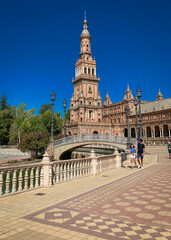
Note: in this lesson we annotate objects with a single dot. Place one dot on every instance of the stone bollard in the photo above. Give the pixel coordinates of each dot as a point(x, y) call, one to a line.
point(94, 160)
point(47, 182)
point(118, 158)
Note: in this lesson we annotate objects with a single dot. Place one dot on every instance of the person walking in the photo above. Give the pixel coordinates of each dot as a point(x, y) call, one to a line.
point(132, 156)
point(140, 153)
point(169, 149)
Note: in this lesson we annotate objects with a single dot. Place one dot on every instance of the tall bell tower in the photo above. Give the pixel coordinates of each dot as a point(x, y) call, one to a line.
point(86, 103)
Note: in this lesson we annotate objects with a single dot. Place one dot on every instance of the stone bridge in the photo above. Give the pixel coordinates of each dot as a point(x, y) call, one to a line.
point(63, 145)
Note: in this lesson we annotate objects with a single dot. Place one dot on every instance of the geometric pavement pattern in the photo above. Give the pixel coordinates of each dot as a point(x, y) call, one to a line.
point(135, 207)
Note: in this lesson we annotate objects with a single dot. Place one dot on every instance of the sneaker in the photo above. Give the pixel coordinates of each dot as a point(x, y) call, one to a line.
point(139, 166)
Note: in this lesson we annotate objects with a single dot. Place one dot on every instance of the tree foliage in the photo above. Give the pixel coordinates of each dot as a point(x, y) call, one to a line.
point(45, 107)
point(34, 142)
point(67, 115)
point(3, 102)
point(17, 121)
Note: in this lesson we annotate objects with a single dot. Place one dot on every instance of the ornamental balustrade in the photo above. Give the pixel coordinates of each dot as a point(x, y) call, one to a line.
point(21, 178)
point(93, 137)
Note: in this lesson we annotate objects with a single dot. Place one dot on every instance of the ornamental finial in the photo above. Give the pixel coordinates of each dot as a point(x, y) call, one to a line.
point(85, 15)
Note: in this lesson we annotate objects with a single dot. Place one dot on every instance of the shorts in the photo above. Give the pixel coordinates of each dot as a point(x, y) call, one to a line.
point(140, 155)
point(132, 155)
point(169, 150)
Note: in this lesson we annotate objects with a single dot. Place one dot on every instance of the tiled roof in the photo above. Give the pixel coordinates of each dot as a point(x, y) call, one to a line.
point(155, 106)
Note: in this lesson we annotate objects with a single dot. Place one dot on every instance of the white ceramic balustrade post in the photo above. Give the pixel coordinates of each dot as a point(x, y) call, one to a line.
point(80, 167)
point(64, 172)
point(54, 173)
point(26, 179)
point(61, 173)
point(37, 177)
point(75, 169)
point(41, 176)
point(86, 167)
point(31, 178)
point(7, 190)
point(20, 180)
point(83, 168)
point(71, 167)
point(50, 176)
point(68, 171)
point(14, 181)
point(57, 173)
point(1, 183)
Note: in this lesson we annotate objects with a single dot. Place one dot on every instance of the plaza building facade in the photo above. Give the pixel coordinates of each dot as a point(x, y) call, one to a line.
point(89, 115)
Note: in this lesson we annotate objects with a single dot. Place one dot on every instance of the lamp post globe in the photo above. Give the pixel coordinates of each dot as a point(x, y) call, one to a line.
point(53, 96)
point(135, 101)
point(127, 111)
point(64, 106)
point(139, 93)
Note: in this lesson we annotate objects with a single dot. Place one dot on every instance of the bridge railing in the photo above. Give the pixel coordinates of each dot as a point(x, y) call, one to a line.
point(20, 178)
point(93, 137)
point(71, 169)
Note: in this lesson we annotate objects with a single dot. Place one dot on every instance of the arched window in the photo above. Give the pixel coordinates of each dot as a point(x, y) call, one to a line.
point(92, 71)
point(89, 71)
point(85, 71)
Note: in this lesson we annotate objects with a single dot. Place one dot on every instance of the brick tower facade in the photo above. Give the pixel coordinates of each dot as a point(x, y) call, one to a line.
point(86, 103)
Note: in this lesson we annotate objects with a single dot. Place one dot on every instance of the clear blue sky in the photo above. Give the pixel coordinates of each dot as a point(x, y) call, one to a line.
point(39, 45)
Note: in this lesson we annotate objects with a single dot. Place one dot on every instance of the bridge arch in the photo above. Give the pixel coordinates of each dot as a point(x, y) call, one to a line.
point(65, 153)
point(64, 144)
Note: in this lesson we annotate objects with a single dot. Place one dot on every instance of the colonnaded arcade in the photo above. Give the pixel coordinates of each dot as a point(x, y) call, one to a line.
point(88, 115)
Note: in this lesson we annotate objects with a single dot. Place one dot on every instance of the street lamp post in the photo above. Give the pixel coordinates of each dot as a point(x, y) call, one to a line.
point(64, 106)
point(52, 125)
point(140, 119)
point(135, 104)
point(127, 112)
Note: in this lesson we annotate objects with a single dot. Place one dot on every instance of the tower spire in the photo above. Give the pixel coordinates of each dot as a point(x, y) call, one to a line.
point(85, 15)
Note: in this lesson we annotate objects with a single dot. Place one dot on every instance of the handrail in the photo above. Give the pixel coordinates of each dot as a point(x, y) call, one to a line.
point(21, 166)
point(93, 137)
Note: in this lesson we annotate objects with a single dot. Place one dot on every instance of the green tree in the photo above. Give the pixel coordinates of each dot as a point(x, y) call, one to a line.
point(7, 116)
point(47, 120)
point(67, 115)
point(36, 143)
point(44, 108)
point(21, 123)
point(3, 102)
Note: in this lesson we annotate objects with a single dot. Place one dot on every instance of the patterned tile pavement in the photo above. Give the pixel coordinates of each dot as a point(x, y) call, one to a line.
point(137, 206)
